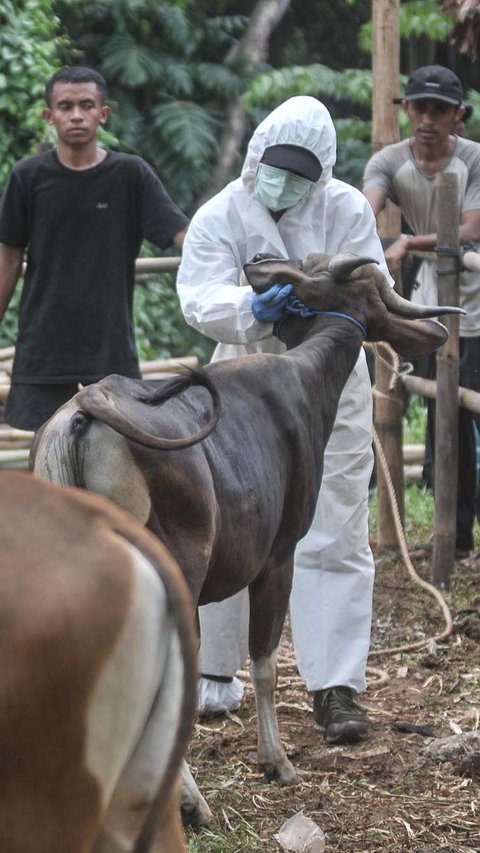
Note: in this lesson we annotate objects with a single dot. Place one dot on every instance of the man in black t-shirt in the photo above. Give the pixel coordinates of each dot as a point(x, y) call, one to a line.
point(82, 213)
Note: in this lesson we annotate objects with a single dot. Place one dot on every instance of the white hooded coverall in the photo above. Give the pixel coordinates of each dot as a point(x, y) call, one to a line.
point(331, 600)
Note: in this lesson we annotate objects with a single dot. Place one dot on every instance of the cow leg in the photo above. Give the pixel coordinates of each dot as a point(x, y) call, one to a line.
point(268, 605)
point(169, 836)
point(143, 781)
point(184, 804)
point(195, 810)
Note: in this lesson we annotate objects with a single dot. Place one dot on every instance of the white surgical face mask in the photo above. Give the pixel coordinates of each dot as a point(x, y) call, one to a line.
point(278, 189)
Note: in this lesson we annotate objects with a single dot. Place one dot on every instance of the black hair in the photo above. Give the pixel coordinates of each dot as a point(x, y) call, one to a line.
point(76, 74)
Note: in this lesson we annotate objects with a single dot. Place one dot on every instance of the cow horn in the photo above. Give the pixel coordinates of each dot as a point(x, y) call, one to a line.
point(341, 266)
point(404, 308)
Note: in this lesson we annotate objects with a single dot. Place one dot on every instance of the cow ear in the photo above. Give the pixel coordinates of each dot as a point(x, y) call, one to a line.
point(262, 275)
point(411, 338)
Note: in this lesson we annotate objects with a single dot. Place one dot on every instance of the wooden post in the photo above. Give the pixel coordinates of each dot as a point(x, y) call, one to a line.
point(446, 415)
point(389, 405)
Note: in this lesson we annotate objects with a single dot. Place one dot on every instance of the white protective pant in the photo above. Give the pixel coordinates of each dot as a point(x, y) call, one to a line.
point(331, 599)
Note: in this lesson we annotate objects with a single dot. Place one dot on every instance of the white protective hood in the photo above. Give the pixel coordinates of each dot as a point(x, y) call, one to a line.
point(301, 120)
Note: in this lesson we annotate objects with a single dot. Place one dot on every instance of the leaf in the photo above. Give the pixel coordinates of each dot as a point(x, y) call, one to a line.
point(189, 130)
point(128, 62)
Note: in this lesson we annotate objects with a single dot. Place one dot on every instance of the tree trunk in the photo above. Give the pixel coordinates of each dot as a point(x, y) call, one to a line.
point(251, 50)
point(389, 404)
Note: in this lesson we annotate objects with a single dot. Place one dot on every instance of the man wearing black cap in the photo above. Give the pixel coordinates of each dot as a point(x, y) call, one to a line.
point(405, 173)
point(287, 203)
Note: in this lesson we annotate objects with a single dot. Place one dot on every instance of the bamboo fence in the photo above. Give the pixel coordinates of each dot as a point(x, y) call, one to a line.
point(14, 440)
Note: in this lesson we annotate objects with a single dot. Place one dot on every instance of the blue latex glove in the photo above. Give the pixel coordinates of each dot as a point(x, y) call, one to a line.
point(269, 307)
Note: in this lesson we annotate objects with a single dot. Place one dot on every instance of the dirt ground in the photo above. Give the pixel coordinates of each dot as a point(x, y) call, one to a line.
point(384, 794)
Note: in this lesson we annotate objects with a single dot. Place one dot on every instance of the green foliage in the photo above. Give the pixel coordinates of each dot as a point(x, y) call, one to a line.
point(167, 68)
point(160, 329)
point(191, 131)
point(352, 156)
point(270, 88)
point(353, 149)
point(419, 513)
point(9, 324)
point(472, 127)
point(416, 18)
point(29, 36)
point(419, 504)
point(424, 17)
point(320, 31)
point(415, 421)
point(129, 63)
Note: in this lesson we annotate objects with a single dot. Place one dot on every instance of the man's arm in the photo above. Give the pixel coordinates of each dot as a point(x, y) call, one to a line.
point(468, 232)
point(10, 269)
point(377, 198)
point(179, 237)
point(395, 253)
point(209, 279)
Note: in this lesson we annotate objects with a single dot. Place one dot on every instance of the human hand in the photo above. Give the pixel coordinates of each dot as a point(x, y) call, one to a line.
point(395, 254)
point(269, 307)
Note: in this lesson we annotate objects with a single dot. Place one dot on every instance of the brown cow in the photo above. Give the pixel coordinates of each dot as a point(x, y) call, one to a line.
point(97, 676)
point(233, 508)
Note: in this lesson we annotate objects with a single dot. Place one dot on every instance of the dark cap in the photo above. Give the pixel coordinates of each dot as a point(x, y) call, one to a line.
point(433, 81)
point(293, 158)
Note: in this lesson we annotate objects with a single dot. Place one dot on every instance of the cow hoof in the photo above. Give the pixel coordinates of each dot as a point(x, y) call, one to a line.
point(194, 808)
point(284, 774)
point(195, 816)
point(195, 812)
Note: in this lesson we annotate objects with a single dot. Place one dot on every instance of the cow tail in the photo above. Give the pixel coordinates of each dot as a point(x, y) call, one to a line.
point(181, 607)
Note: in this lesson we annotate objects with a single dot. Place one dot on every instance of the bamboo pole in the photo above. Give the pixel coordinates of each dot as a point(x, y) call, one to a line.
point(151, 265)
point(389, 404)
point(157, 368)
point(170, 365)
point(446, 414)
point(147, 265)
point(413, 453)
point(7, 353)
point(16, 456)
point(428, 388)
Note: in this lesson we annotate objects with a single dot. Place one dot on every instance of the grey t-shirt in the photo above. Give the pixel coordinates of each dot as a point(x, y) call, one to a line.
point(394, 170)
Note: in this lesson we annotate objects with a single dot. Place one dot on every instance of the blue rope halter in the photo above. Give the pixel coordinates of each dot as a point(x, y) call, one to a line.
point(296, 306)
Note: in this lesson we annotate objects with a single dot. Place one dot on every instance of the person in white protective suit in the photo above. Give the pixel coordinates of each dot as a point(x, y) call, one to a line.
point(287, 203)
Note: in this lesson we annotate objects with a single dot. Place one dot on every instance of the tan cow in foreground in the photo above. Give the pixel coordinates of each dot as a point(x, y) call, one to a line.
point(97, 676)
